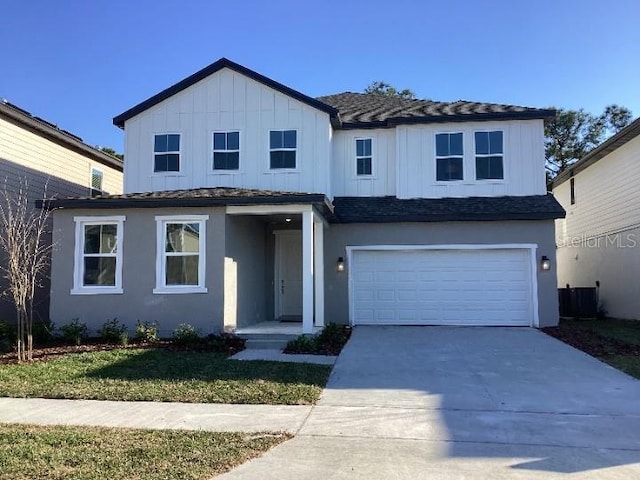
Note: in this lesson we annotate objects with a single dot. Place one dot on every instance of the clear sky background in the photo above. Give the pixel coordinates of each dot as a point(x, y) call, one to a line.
point(80, 63)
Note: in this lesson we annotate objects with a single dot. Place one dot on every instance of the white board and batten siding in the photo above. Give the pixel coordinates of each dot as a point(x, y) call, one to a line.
point(523, 160)
point(446, 285)
point(229, 101)
point(382, 181)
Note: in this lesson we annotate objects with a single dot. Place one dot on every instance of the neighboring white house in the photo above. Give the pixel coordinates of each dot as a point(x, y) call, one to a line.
point(247, 201)
point(35, 153)
point(599, 240)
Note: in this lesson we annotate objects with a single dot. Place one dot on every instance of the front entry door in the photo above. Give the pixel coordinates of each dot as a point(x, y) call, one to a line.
point(288, 275)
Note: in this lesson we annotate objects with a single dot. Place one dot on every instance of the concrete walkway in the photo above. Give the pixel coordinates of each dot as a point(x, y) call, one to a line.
point(463, 403)
point(154, 415)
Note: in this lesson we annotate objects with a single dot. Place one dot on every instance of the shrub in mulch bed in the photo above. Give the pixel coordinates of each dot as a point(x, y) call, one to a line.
point(329, 341)
point(592, 343)
point(224, 343)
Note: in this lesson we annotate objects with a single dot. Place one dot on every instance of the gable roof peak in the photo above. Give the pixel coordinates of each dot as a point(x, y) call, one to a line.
point(209, 70)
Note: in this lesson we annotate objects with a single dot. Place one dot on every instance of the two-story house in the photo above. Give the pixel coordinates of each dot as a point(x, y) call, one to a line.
point(247, 201)
point(599, 240)
point(36, 155)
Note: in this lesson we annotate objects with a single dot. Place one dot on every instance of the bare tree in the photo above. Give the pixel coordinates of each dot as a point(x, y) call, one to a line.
point(27, 247)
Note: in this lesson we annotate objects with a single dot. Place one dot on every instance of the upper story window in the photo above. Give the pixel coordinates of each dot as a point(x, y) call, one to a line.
point(572, 190)
point(489, 156)
point(166, 153)
point(96, 182)
point(180, 265)
point(98, 255)
point(282, 148)
point(449, 155)
point(363, 156)
point(226, 150)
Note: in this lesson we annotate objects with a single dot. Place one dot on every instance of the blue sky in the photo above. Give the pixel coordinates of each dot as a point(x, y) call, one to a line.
point(80, 63)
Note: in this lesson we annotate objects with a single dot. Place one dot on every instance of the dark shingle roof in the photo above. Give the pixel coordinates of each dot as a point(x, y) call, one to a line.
point(197, 197)
point(56, 134)
point(392, 209)
point(373, 110)
point(342, 210)
point(624, 136)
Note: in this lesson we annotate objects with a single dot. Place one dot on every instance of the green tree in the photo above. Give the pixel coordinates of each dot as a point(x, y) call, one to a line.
point(112, 152)
point(386, 89)
point(571, 134)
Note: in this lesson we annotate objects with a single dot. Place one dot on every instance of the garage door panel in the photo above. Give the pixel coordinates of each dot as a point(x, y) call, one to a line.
point(442, 287)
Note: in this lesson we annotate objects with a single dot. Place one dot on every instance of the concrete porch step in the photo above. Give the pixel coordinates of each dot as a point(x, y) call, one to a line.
point(262, 341)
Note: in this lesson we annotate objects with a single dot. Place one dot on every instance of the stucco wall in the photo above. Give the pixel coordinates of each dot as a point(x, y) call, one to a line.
point(138, 302)
point(245, 262)
point(341, 235)
point(613, 260)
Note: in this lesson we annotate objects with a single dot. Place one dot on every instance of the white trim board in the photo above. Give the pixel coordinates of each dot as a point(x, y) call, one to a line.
point(531, 247)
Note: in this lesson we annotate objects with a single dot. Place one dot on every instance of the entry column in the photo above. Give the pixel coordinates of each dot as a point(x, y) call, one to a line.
point(307, 271)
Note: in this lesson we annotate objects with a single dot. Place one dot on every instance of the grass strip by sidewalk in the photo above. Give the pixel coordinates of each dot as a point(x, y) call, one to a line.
point(90, 453)
point(165, 376)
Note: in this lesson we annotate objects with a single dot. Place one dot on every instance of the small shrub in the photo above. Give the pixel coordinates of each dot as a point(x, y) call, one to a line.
point(113, 331)
point(147, 332)
point(224, 343)
point(7, 337)
point(328, 342)
point(332, 338)
point(74, 332)
point(302, 344)
point(185, 334)
point(43, 332)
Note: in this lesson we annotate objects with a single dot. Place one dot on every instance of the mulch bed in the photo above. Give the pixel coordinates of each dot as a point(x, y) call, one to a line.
point(591, 342)
point(230, 345)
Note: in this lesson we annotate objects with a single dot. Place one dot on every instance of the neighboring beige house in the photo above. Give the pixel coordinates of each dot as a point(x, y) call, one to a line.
point(39, 153)
point(351, 208)
point(599, 240)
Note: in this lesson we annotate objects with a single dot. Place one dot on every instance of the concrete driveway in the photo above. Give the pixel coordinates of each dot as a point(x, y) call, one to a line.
point(455, 403)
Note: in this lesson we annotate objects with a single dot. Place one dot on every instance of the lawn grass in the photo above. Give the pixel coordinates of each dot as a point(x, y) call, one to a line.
point(165, 376)
point(627, 331)
point(91, 453)
point(614, 341)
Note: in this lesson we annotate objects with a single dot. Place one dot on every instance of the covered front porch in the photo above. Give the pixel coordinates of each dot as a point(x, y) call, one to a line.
point(274, 269)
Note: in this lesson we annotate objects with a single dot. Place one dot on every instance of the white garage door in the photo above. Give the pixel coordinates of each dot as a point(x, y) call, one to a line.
point(441, 287)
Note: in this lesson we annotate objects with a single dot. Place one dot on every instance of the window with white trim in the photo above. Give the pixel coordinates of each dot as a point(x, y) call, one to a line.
point(98, 255)
point(363, 156)
point(180, 263)
point(282, 148)
point(226, 150)
point(166, 152)
point(449, 157)
point(96, 182)
point(489, 155)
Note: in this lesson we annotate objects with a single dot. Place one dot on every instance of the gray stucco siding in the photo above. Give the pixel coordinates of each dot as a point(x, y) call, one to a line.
point(612, 260)
point(339, 236)
point(245, 271)
point(138, 302)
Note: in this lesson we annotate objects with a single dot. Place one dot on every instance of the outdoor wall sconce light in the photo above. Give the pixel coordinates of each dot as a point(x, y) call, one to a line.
point(340, 264)
point(545, 263)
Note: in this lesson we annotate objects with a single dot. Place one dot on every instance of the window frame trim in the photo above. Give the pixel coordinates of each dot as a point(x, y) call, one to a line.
point(91, 189)
point(177, 173)
point(436, 157)
point(161, 258)
point(78, 266)
point(214, 171)
point(503, 154)
point(269, 150)
point(364, 176)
